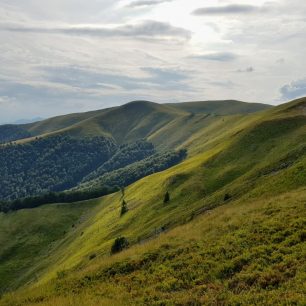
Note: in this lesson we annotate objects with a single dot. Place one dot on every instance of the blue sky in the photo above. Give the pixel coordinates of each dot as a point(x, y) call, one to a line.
point(62, 56)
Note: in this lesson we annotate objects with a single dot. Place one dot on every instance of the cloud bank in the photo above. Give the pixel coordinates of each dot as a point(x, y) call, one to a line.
point(65, 56)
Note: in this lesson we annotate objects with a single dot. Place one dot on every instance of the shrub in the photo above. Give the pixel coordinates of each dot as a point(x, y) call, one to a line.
point(167, 197)
point(227, 197)
point(119, 244)
point(124, 208)
point(92, 256)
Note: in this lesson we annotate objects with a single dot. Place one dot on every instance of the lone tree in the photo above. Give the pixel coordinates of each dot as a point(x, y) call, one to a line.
point(167, 197)
point(119, 244)
point(124, 208)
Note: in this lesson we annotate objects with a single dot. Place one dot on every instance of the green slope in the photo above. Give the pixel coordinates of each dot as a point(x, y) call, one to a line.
point(28, 237)
point(166, 126)
point(235, 244)
point(224, 107)
point(142, 119)
point(59, 122)
point(238, 254)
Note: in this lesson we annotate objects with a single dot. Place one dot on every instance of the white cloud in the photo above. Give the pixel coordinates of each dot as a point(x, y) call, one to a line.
point(72, 55)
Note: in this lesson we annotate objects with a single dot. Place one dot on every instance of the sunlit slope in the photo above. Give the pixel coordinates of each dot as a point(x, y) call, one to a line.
point(266, 158)
point(244, 253)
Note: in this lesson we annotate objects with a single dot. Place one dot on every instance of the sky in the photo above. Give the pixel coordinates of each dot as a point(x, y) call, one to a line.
point(63, 56)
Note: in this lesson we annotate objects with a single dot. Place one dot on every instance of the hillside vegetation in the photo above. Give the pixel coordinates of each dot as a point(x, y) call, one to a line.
point(232, 231)
point(65, 150)
point(50, 164)
point(10, 132)
point(140, 120)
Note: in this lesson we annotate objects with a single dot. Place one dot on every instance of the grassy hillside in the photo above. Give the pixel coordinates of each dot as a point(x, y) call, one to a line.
point(166, 126)
point(28, 237)
point(238, 254)
point(232, 232)
point(58, 123)
point(149, 120)
point(226, 107)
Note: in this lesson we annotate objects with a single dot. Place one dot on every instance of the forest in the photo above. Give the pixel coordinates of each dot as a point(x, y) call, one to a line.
point(64, 169)
point(11, 132)
point(106, 184)
point(132, 173)
point(50, 164)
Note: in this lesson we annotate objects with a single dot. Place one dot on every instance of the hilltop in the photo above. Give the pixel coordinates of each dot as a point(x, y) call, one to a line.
point(121, 121)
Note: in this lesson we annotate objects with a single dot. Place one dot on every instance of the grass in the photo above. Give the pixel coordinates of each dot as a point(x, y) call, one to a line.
point(161, 123)
point(238, 254)
point(200, 248)
point(34, 234)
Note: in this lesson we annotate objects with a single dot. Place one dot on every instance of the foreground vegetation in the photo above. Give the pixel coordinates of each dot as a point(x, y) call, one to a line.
point(239, 254)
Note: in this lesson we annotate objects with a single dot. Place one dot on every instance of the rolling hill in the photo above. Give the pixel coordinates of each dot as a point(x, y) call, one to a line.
point(232, 232)
point(42, 163)
point(134, 120)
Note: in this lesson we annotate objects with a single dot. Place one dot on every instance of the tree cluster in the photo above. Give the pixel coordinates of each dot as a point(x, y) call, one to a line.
point(126, 154)
point(55, 197)
point(48, 164)
point(132, 173)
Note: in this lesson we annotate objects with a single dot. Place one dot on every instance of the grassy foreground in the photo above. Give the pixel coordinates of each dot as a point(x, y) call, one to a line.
point(239, 254)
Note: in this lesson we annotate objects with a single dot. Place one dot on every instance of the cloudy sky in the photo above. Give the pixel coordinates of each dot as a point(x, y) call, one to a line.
point(62, 56)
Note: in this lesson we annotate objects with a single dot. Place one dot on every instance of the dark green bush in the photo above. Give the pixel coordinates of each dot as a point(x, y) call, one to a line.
point(119, 244)
point(124, 208)
point(167, 197)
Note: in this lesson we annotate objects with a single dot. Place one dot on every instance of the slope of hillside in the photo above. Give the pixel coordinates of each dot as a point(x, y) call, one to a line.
point(28, 237)
point(272, 164)
point(11, 132)
point(238, 254)
point(130, 122)
point(246, 169)
point(57, 123)
point(221, 108)
point(160, 124)
point(125, 124)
